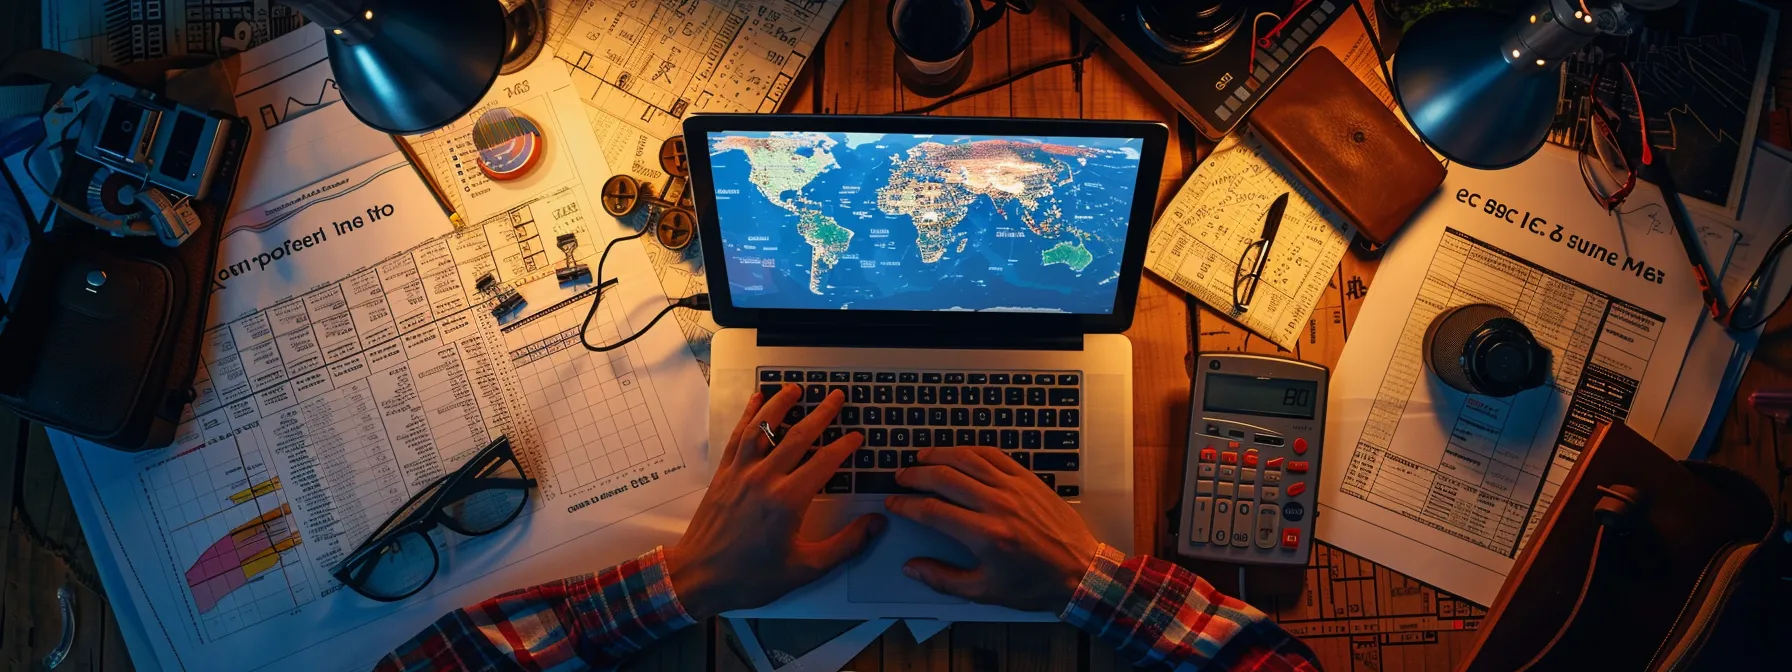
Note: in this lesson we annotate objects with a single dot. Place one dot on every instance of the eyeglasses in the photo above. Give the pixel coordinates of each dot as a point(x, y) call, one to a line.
point(1749, 311)
point(399, 559)
point(1249, 273)
point(1606, 169)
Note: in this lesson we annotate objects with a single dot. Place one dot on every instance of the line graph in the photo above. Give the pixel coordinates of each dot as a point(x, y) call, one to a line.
point(327, 94)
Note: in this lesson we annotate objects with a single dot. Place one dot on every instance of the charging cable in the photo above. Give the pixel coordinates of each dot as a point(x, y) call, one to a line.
point(699, 301)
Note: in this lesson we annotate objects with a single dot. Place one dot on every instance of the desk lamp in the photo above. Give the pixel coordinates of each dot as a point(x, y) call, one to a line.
point(409, 66)
point(1481, 89)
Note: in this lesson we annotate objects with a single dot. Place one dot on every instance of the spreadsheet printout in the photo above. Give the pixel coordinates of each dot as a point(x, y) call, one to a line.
point(350, 361)
point(1446, 486)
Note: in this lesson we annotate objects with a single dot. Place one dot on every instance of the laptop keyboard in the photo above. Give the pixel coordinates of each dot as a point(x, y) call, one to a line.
point(1036, 417)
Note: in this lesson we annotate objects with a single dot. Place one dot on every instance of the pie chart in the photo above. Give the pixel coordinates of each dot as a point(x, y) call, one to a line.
point(509, 144)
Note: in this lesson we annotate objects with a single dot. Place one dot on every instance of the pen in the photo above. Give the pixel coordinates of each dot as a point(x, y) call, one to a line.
point(1689, 239)
point(1272, 221)
point(410, 156)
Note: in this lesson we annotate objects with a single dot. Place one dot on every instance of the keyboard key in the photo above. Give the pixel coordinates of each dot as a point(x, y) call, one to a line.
point(849, 415)
point(911, 458)
point(794, 415)
point(1010, 439)
point(770, 390)
point(916, 416)
point(1035, 396)
point(1023, 379)
point(924, 438)
point(861, 394)
point(998, 379)
point(1024, 459)
point(893, 415)
point(992, 395)
point(769, 376)
point(1045, 379)
point(840, 377)
point(1048, 417)
point(1063, 440)
point(949, 395)
point(1057, 462)
point(936, 417)
point(831, 435)
point(793, 376)
point(905, 394)
point(977, 379)
point(986, 437)
point(864, 459)
point(1069, 379)
point(838, 484)
point(1050, 480)
point(961, 417)
point(969, 395)
point(899, 437)
point(927, 394)
point(930, 378)
point(1069, 417)
point(908, 377)
point(1014, 396)
point(886, 459)
point(861, 376)
point(818, 376)
point(954, 379)
point(942, 438)
point(1023, 417)
point(1004, 417)
point(877, 483)
point(874, 415)
point(842, 389)
point(967, 437)
point(981, 417)
point(886, 376)
point(1029, 439)
point(1069, 491)
point(878, 437)
point(883, 394)
point(1066, 396)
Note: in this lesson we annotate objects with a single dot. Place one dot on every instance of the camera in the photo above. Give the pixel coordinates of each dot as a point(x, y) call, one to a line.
point(153, 140)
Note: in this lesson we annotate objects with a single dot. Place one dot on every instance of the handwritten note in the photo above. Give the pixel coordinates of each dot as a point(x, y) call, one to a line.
point(1219, 213)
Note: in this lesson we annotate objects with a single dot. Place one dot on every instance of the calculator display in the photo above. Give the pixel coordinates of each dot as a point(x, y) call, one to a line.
point(1275, 397)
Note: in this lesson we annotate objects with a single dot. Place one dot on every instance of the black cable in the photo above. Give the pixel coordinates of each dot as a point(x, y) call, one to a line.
point(986, 88)
point(698, 301)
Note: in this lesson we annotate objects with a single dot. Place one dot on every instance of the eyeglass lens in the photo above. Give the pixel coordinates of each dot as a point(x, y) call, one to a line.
point(401, 566)
point(485, 509)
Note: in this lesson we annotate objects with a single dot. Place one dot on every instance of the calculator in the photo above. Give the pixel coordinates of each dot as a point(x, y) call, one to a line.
point(1250, 490)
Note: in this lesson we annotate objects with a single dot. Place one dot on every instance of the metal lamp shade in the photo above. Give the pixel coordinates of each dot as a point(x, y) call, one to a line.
point(416, 65)
point(1481, 89)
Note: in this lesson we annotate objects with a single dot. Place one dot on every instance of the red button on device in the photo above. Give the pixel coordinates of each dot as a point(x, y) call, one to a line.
point(1290, 538)
point(1250, 458)
point(1274, 463)
point(1232, 444)
point(1295, 488)
point(1208, 454)
point(1228, 458)
point(1300, 446)
point(1298, 467)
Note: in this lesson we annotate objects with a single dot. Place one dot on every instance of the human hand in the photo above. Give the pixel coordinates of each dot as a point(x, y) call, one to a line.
point(1032, 549)
point(741, 549)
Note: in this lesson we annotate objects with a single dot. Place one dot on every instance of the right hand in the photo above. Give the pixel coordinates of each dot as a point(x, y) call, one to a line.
point(1032, 549)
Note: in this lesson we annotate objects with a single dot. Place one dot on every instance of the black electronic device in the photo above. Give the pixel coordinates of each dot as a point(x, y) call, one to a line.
point(151, 139)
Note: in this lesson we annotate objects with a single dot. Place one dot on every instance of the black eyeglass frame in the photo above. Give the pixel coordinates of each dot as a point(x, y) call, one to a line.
point(1602, 120)
point(435, 497)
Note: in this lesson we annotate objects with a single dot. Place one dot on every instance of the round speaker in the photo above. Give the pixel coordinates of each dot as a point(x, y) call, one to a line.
point(1483, 349)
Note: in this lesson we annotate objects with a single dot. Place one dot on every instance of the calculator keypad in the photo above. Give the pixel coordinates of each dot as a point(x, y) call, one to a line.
point(1243, 497)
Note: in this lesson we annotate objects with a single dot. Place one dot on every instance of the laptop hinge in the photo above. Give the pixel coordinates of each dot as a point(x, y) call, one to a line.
point(914, 338)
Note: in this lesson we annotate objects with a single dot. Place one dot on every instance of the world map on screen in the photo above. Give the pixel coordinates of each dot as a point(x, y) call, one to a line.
point(923, 222)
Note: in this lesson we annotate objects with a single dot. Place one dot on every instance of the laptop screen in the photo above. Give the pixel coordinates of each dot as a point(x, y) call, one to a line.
point(907, 222)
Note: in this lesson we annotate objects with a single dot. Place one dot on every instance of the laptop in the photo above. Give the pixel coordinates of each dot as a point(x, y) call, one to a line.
point(962, 281)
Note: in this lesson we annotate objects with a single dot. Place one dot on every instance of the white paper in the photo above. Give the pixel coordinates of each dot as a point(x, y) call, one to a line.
point(830, 656)
point(116, 32)
point(1446, 487)
point(352, 368)
point(1219, 213)
point(924, 629)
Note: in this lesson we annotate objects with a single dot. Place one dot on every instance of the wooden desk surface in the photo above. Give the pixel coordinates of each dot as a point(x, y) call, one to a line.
point(1357, 615)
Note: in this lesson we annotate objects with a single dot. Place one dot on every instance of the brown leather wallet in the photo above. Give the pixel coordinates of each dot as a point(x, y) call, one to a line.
point(1347, 147)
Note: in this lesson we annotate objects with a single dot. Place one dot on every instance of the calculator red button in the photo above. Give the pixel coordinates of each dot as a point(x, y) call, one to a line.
point(1208, 454)
point(1297, 467)
point(1250, 458)
point(1274, 463)
point(1294, 489)
point(1290, 538)
point(1232, 444)
point(1228, 457)
point(1300, 446)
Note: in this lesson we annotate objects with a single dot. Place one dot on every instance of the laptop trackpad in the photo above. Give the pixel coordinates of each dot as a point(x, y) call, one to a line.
point(876, 575)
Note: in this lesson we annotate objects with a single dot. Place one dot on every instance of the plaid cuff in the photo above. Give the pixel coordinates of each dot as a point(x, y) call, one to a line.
point(629, 606)
point(1098, 579)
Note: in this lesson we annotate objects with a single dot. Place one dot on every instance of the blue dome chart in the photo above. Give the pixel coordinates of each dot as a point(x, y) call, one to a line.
point(923, 222)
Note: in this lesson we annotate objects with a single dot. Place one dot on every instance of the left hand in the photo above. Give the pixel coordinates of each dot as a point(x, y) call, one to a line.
point(741, 549)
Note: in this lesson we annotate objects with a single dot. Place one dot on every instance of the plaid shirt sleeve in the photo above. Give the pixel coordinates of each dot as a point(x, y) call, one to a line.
point(591, 621)
point(1162, 616)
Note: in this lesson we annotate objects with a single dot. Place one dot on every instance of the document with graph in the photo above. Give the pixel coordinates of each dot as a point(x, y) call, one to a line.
point(357, 350)
point(1445, 486)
